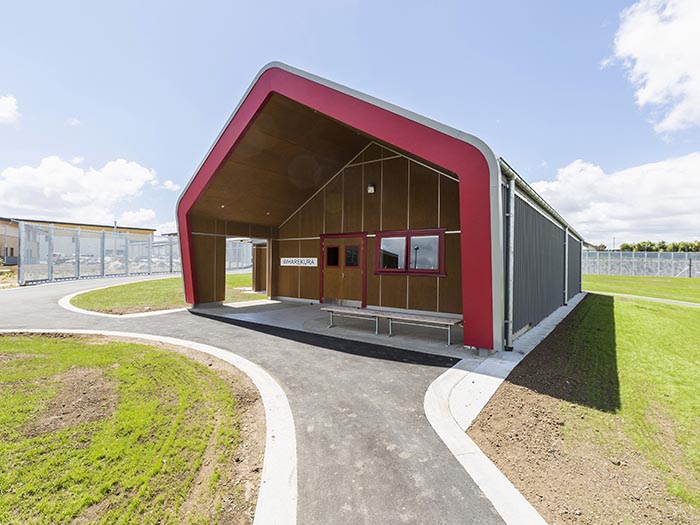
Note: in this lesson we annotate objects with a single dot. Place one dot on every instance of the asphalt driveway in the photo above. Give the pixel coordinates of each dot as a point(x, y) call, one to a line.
point(366, 452)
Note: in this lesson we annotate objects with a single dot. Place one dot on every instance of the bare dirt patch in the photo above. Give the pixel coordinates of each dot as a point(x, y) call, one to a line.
point(84, 395)
point(568, 456)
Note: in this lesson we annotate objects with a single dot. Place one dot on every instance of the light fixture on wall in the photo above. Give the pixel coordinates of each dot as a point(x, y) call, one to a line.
point(370, 188)
point(223, 205)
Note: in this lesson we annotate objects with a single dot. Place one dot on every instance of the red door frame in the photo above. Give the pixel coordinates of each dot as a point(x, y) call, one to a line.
point(322, 261)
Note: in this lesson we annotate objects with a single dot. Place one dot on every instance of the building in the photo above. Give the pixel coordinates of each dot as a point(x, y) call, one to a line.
point(9, 234)
point(364, 203)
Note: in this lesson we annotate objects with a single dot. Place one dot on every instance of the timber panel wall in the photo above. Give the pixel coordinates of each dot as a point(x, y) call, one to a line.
point(407, 196)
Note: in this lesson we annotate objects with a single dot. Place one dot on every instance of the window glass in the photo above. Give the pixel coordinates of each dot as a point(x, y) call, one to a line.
point(392, 253)
point(352, 256)
point(424, 253)
point(332, 256)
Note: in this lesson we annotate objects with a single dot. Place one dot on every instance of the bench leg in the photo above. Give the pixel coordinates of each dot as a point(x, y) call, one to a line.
point(449, 335)
point(331, 325)
point(376, 326)
point(391, 332)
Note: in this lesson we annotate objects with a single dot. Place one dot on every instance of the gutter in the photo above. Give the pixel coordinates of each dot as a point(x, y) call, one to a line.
point(509, 172)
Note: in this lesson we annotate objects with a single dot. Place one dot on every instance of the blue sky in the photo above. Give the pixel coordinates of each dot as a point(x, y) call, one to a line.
point(152, 83)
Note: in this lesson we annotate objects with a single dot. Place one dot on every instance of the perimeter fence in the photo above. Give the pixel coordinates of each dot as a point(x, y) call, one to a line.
point(649, 264)
point(51, 253)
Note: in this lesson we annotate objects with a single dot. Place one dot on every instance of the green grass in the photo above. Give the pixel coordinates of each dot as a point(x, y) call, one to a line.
point(161, 294)
point(677, 288)
point(633, 365)
point(137, 463)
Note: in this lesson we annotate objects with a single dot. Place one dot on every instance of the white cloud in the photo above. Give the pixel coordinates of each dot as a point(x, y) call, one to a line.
point(59, 190)
point(654, 201)
point(658, 42)
point(9, 111)
point(77, 160)
point(72, 122)
point(143, 217)
point(167, 227)
point(170, 185)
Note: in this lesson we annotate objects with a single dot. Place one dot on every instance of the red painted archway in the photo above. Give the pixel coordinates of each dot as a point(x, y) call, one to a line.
point(419, 139)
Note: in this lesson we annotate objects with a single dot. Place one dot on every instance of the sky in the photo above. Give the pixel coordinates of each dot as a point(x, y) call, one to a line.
point(107, 108)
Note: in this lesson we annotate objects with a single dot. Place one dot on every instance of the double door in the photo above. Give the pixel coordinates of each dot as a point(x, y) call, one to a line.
point(343, 274)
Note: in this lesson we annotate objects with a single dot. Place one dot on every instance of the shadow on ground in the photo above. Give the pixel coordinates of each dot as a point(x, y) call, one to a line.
point(578, 361)
point(338, 344)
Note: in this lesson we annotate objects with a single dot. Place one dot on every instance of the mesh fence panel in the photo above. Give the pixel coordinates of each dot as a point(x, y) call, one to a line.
point(90, 253)
point(49, 253)
point(645, 264)
point(34, 253)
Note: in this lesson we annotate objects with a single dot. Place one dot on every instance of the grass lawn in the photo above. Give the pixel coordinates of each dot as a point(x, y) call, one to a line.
point(160, 294)
point(608, 407)
point(677, 288)
point(8, 276)
point(107, 431)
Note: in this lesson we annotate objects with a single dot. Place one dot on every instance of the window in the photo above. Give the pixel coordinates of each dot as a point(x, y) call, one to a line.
point(392, 253)
point(414, 252)
point(332, 256)
point(12, 252)
point(425, 252)
point(352, 256)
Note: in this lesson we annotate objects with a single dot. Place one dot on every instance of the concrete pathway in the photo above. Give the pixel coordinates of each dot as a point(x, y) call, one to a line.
point(366, 452)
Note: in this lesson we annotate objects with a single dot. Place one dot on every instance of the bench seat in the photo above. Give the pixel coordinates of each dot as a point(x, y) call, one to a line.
point(407, 318)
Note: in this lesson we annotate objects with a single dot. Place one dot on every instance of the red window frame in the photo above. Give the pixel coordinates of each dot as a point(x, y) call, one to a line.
point(408, 235)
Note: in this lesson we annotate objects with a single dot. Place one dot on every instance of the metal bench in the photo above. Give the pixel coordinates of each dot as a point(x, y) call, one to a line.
point(355, 313)
point(428, 321)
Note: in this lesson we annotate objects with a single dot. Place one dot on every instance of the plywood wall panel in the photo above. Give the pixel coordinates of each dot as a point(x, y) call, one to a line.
point(394, 291)
point(422, 293)
point(423, 197)
point(372, 202)
point(334, 205)
point(395, 194)
point(310, 276)
point(287, 276)
point(451, 286)
point(290, 230)
point(449, 204)
point(372, 279)
point(312, 217)
point(352, 199)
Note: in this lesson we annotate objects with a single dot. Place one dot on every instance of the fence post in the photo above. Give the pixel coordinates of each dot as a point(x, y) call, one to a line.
point(150, 252)
point(49, 272)
point(633, 254)
point(658, 272)
point(21, 245)
point(77, 253)
point(102, 253)
point(126, 253)
point(170, 254)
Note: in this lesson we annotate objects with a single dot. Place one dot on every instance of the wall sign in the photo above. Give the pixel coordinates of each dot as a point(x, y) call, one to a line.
point(299, 261)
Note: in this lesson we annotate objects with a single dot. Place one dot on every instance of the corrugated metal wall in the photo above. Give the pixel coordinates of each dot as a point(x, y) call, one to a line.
point(538, 268)
point(574, 267)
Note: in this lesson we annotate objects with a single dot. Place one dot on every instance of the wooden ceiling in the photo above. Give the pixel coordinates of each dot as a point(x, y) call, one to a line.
point(287, 153)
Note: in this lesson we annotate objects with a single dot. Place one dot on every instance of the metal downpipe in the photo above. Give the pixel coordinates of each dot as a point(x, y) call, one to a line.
point(511, 260)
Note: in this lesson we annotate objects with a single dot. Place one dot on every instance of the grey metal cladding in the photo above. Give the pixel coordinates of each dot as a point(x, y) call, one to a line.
point(538, 270)
point(574, 267)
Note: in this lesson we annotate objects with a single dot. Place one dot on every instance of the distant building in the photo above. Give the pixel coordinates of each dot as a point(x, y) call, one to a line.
point(9, 233)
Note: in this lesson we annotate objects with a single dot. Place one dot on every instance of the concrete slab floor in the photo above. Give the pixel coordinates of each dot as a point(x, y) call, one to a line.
point(308, 317)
